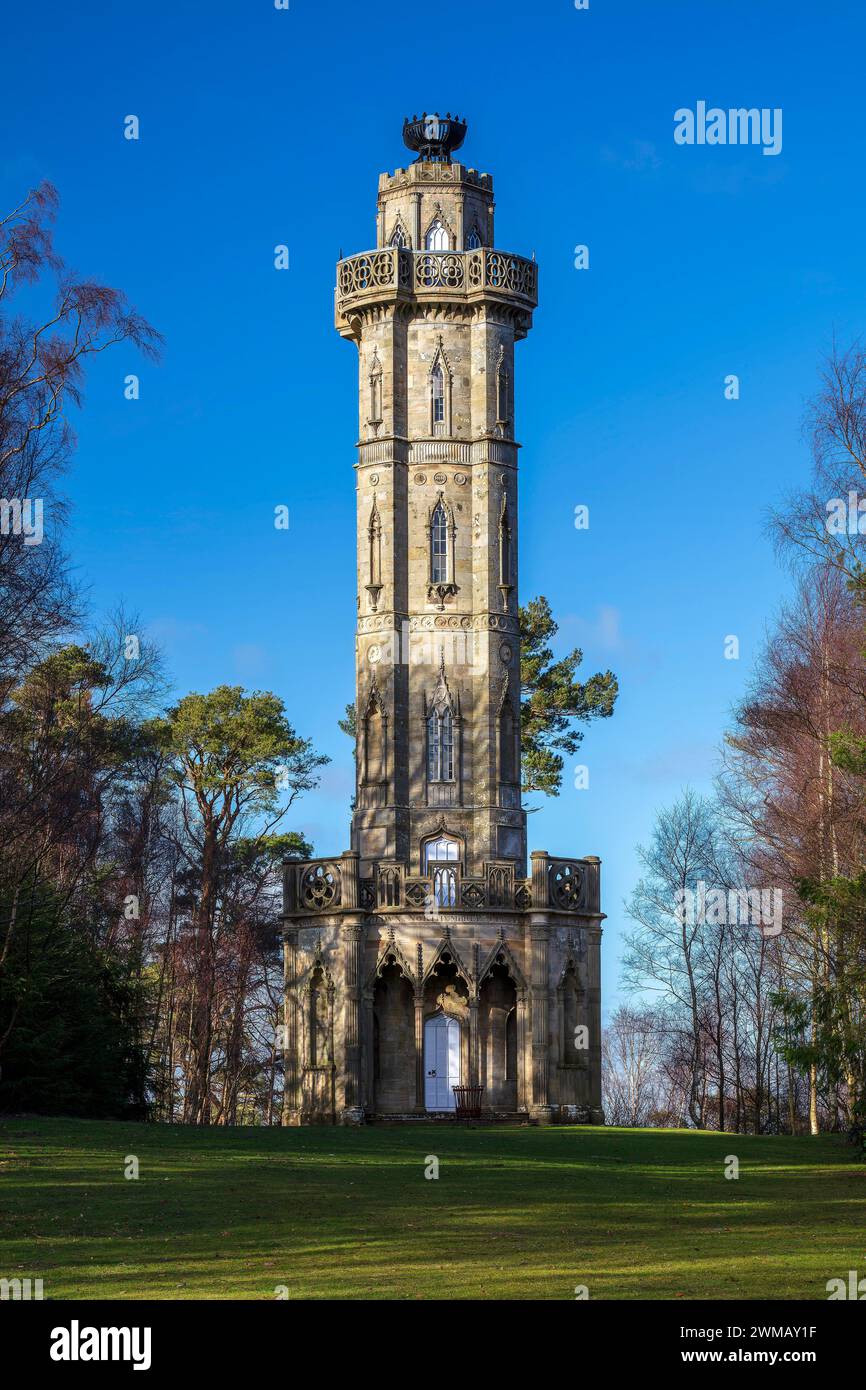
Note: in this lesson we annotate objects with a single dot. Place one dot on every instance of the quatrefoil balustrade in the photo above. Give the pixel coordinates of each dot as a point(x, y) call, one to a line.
point(320, 887)
point(566, 886)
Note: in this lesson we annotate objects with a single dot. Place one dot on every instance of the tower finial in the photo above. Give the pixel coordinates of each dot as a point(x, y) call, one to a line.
point(434, 137)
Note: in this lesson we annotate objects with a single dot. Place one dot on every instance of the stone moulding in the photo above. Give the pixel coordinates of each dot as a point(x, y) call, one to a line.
point(466, 452)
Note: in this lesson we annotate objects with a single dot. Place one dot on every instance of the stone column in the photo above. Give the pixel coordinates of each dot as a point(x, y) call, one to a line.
point(540, 868)
point(419, 1051)
point(353, 945)
point(539, 936)
point(416, 222)
point(521, 1050)
point(474, 1077)
point(368, 1080)
point(593, 1017)
point(539, 932)
point(291, 1111)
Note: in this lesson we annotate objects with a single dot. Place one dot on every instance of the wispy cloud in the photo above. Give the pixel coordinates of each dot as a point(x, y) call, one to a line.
point(643, 157)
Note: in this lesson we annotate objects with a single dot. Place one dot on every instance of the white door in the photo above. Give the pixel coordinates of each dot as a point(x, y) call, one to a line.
point(441, 1062)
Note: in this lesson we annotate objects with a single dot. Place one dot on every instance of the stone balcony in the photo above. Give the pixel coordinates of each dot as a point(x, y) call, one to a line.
point(330, 886)
point(394, 274)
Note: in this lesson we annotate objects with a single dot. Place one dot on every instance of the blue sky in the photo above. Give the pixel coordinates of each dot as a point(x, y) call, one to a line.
point(261, 127)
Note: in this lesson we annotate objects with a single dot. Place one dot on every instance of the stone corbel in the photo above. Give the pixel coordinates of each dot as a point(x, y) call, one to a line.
point(441, 592)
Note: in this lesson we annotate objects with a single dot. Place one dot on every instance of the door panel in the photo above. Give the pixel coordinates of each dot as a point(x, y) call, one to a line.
point(441, 1062)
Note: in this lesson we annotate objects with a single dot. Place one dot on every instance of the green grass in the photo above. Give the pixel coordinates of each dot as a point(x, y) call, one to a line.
point(346, 1213)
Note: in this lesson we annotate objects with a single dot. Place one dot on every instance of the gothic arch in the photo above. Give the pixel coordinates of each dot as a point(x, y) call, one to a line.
point(501, 955)
point(440, 406)
point(507, 738)
point(374, 537)
point(447, 952)
point(391, 995)
point(503, 402)
point(400, 234)
point(500, 1000)
point(439, 235)
point(441, 831)
point(375, 387)
point(505, 556)
point(442, 585)
point(375, 730)
point(391, 954)
point(317, 1015)
point(443, 732)
point(571, 998)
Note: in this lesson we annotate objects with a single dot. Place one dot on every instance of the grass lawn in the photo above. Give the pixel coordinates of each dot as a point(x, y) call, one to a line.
point(348, 1213)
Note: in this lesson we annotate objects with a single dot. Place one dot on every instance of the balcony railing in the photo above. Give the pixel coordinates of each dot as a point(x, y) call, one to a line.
point(395, 272)
point(321, 886)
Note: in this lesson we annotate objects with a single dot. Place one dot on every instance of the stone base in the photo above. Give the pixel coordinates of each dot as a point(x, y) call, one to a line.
point(488, 1117)
point(353, 1115)
point(579, 1115)
point(542, 1114)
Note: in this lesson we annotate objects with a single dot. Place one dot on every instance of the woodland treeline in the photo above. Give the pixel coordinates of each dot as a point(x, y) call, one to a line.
point(140, 841)
point(731, 1024)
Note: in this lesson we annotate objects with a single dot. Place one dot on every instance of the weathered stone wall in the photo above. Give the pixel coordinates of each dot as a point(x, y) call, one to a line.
point(461, 198)
point(491, 1001)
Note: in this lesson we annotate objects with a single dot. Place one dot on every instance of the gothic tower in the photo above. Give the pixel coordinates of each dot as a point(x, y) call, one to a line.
point(435, 312)
point(424, 959)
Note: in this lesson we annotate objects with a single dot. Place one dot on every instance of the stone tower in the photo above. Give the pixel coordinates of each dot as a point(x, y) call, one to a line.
point(424, 958)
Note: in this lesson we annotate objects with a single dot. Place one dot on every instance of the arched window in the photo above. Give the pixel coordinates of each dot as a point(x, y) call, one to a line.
point(571, 1012)
point(375, 391)
point(502, 396)
point(318, 1030)
point(374, 533)
point(473, 241)
point(444, 849)
point(374, 745)
point(504, 548)
point(398, 238)
point(437, 238)
point(440, 746)
point(437, 386)
point(440, 855)
point(439, 545)
point(506, 744)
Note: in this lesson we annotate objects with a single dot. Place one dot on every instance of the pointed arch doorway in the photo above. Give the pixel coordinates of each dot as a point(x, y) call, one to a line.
point(441, 1062)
